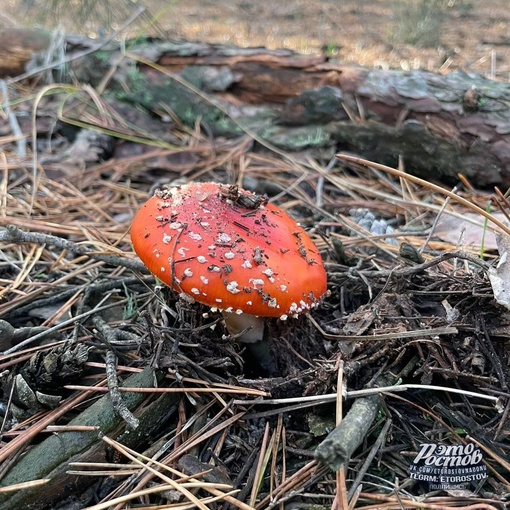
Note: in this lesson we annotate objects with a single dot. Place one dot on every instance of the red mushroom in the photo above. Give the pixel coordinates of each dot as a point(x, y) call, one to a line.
point(229, 249)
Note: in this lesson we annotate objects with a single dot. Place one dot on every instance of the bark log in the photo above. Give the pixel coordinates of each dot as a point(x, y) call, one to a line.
point(441, 125)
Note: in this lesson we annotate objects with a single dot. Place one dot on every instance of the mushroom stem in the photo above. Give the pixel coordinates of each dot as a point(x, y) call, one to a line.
point(247, 328)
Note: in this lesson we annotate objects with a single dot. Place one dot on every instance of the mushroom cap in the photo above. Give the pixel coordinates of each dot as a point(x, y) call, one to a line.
point(229, 249)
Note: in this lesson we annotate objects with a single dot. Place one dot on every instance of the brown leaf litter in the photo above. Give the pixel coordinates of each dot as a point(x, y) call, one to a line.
point(208, 435)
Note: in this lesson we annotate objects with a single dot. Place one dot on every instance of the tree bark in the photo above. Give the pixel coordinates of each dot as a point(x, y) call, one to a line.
point(441, 125)
point(50, 459)
point(18, 46)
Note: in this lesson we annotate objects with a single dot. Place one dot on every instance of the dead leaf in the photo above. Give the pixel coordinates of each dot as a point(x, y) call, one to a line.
point(470, 227)
point(500, 275)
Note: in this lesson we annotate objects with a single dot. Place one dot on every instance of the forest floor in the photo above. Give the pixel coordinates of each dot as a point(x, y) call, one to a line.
point(409, 307)
point(437, 35)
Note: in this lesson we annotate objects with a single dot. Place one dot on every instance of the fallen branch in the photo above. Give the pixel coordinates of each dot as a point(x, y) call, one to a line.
point(12, 234)
point(336, 450)
point(50, 458)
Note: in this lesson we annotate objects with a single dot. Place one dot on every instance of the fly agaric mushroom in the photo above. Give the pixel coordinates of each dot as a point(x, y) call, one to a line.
point(229, 249)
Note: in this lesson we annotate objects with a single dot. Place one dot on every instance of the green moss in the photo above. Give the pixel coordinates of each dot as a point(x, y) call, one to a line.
point(299, 138)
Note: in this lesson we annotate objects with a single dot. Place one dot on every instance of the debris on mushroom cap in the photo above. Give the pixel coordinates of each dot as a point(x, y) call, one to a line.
point(221, 244)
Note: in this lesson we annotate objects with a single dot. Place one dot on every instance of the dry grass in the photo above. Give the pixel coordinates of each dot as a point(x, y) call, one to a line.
point(93, 207)
point(207, 405)
point(397, 34)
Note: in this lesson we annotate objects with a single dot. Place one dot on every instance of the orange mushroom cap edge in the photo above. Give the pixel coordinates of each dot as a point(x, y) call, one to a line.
point(229, 249)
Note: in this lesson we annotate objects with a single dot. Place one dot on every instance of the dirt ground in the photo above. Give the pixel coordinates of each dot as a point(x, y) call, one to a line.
point(438, 35)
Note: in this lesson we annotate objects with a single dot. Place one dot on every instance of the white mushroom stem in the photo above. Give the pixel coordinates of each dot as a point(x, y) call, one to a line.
point(247, 328)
